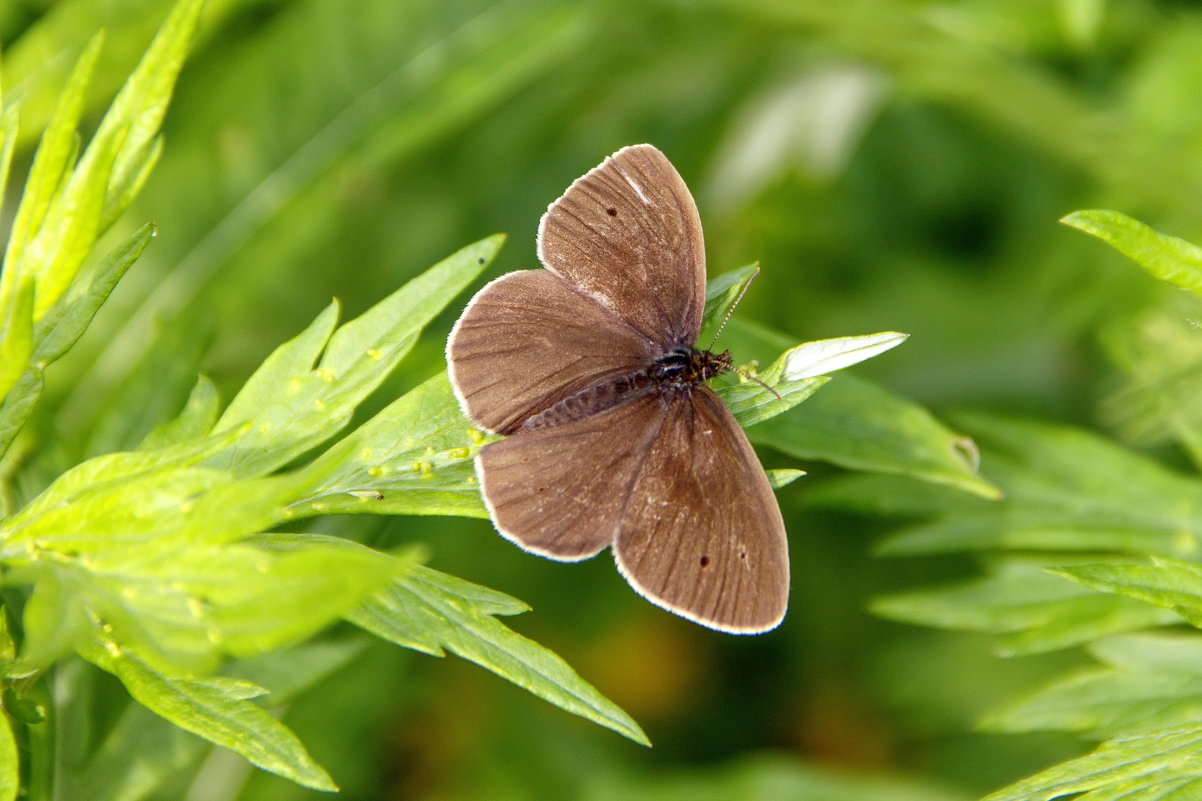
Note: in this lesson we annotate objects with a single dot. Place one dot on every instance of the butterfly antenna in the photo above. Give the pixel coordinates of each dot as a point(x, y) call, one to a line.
point(750, 377)
point(731, 310)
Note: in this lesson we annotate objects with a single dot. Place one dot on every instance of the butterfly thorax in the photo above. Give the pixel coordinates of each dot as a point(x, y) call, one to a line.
point(682, 367)
point(677, 370)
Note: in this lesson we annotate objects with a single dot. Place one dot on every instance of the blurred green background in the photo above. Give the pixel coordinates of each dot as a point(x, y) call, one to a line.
point(892, 165)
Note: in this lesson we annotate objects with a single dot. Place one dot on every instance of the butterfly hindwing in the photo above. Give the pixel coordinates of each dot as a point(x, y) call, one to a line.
point(702, 534)
point(561, 491)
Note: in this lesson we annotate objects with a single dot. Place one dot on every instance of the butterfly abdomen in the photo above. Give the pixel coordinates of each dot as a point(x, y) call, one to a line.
point(677, 370)
point(596, 398)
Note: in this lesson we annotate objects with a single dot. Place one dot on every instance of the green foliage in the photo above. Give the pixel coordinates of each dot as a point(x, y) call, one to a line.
point(155, 564)
point(1081, 508)
point(893, 165)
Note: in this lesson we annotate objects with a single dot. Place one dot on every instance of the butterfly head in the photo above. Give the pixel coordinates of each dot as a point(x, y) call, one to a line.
point(688, 366)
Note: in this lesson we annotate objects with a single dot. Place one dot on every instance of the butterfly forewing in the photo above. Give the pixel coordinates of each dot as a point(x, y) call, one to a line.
point(527, 341)
point(701, 534)
point(561, 491)
point(628, 235)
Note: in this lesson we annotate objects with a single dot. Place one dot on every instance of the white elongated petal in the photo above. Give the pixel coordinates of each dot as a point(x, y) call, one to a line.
point(828, 355)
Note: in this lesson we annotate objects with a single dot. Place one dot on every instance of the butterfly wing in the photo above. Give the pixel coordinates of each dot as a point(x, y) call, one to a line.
point(701, 534)
point(561, 491)
point(527, 341)
point(628, 235)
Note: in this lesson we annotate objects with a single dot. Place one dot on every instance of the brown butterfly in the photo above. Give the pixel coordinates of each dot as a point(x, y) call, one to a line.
point(614, 437)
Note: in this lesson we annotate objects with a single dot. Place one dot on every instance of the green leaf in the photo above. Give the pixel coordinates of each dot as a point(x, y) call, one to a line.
point(783, 477)
point(1168, 258)
point(185, 606)
point(217, 709)
point(291, 404)
point(137, 112)
point(721, 294)
point(143, 751)
point(1029, 609)
point(414, 457)
point(1167, 583)
point(825, 356)
point(1103, 703)
point(55, 156)
point(1163, 765)
point(58, 330)
point(1159, 354)
point(194, 421)
point(430, 611)
point(860, 426)
point(1066, 490)
point(16, 346)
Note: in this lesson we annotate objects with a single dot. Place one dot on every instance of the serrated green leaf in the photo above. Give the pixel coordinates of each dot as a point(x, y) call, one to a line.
point(186, 606)
point(290, 404)
point(155, 510)
point(1066, 490)
point(1167, 583)
point(1031, 610)
point(1122, 768)
point(194, 421)
point(752, 404)
point(143, 751)
point(216, 709)
point(51, 167)
point(414, 457)
point(137, 112)
point(858, 425)
point(58, 330)
point(1104, 702)
point(429, 611)
point(1166, 257)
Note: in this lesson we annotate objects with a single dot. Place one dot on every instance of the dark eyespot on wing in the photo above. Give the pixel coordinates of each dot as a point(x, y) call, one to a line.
point(627, 234)
point(702, 534)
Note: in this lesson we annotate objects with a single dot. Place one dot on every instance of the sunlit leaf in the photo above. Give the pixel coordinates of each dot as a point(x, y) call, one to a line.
point(430, 611)
point(217, 709)
point(1166, 257)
